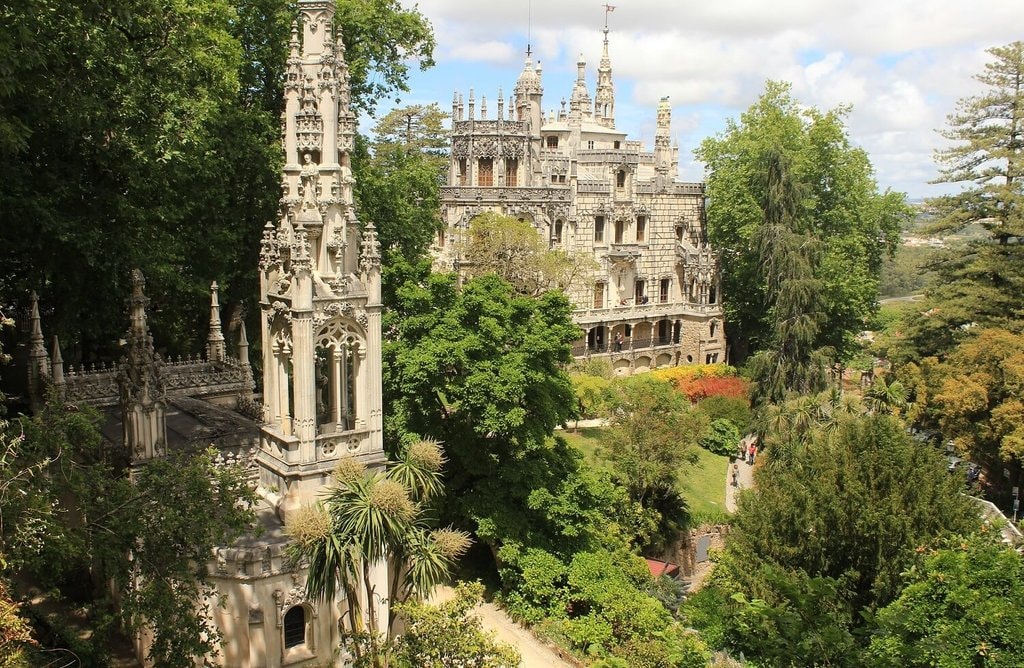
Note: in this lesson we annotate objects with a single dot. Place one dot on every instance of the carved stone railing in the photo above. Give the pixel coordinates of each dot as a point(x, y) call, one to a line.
point(488, 127)
point(193, 377)
point(95, 388)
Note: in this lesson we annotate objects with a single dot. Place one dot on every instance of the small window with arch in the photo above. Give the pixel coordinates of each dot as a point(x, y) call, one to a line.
point(295, 627)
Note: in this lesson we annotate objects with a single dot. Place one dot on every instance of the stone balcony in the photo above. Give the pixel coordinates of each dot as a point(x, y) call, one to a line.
point(654, 310)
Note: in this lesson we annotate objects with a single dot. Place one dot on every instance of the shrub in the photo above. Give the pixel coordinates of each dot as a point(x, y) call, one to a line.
point(735, 409)
point(721, 437)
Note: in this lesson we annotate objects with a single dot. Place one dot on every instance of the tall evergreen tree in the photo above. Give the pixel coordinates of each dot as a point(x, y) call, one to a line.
point(788, 256)
point(989, 131)
point(983, 283)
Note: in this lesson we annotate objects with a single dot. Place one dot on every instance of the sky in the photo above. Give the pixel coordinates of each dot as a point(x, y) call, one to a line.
point(900, 65)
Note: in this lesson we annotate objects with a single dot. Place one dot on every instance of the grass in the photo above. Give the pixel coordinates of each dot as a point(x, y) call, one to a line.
point(702, 485)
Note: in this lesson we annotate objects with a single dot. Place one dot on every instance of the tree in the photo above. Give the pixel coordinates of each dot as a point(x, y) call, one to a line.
point(976, 397)
point(959, 608)
point(382, 38)
point(837, 201)
point(482, 369)
point(399, 174)
point(80, 522)
point(372, 518)
point(989, 129)
point(652, 435)
point(788, 255)
point(981, 284)
point(514, 250)
point(825, 536)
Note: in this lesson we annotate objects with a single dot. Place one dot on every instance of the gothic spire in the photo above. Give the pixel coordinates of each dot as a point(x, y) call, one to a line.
point(604, 100)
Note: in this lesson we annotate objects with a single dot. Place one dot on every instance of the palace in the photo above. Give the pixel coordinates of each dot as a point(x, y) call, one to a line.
point(321, 343)
point(654, 299)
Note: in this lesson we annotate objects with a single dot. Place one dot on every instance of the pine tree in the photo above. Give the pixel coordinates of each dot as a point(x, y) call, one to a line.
point(989, 129)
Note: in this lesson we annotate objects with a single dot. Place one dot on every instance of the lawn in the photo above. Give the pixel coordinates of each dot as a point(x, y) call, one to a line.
point(702, 485)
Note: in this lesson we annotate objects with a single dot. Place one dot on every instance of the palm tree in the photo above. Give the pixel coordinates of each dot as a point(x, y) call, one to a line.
point(884, 397)
point(370, 518)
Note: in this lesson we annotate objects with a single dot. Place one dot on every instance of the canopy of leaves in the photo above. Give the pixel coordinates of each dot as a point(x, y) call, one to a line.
point(826, 535)
point(399, 171)
point(450, 634)
point(974, 397)
point(960, 608)
point(837, 201)
point(481, 368)
point(514, 250)
point(78, 521)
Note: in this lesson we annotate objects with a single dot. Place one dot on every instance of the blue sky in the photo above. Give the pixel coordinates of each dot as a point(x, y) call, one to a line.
point(901, 64)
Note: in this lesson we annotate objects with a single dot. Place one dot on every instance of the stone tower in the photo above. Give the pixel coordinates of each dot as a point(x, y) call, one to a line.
point(319, 284)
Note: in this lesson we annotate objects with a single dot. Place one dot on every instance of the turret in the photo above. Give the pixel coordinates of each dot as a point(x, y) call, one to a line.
point(579, 101)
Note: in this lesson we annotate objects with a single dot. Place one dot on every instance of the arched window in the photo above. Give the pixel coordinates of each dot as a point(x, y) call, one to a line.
point(558, 232)
point(620, 179)
point(295, 626)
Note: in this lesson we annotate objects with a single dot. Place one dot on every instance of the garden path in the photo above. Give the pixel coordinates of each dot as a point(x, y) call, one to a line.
point(534, 653)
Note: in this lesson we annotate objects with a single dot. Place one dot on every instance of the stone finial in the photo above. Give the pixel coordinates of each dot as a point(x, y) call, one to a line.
point(37, 350)
point(370, 254)
point(57, 372)
point(472, 104)
point(215, 348)
point(483, 107)
point(137, 304)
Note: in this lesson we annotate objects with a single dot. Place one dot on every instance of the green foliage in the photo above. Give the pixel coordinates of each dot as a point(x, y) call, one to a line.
point(982, 283)
point(988, 152)
point(481, 369)
point(908, 272)
point(652, 436)
point(591, 394)
point(449, 635)
point(74, 511)
point(836, 200)
point(398, 174)
point(722, 437)
point(599, 605)
point(382, 38)
point(824, 538)
point(960, 608)
point(736, 411)
point(15, 631)
point(512, 249)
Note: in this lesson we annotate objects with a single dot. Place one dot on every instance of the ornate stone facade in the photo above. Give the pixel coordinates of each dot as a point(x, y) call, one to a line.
point(655, 299)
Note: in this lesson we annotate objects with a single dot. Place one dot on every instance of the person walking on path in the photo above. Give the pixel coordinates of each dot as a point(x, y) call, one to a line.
point(743, 475)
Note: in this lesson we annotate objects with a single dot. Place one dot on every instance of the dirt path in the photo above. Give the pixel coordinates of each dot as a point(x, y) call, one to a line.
point(535, 654)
